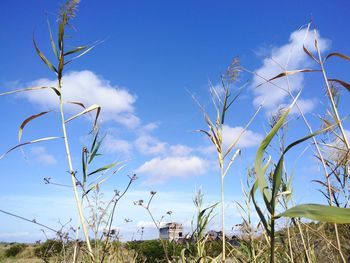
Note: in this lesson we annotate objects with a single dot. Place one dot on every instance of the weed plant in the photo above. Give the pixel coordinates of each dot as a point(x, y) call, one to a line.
point(282, 233)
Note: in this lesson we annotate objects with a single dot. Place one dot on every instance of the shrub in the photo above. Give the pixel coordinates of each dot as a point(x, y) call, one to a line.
point(14, 250)
point(48, 249)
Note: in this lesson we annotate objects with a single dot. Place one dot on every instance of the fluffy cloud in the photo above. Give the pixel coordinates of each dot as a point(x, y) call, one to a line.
point(115, 145)
point(248, 139)
point(291, 57)
point(306, 105)
point(180, 150)
point(40, 155)
point(147, 144)
point(161, 169)
point(87, 87)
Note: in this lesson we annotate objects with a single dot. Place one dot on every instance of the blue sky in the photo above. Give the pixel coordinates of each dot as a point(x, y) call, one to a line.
point(155, 55)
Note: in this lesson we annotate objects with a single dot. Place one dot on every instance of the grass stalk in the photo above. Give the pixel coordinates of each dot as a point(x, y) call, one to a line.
point(223, 211)
point(72, 174)
point(340, 125)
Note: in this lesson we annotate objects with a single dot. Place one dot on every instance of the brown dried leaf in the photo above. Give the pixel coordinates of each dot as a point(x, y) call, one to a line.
point(287, 73)
point(341, 82)
point(26, 121)
point(310, 55)
point(335, 54)
point(30, 142)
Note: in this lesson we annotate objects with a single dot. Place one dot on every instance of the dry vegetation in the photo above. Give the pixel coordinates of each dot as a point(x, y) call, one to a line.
point(282, 234)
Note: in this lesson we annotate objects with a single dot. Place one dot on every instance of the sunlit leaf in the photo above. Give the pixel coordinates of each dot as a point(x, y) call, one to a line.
point(91, 108)
point(29, 89)
point(83, 53)
point(95, 148)
point(77, 49)
point(287, 73)
point(104, 168)
point(258, 165)
point(30, 142)
point(43, 58)
point(322, 213)
point(53, 46)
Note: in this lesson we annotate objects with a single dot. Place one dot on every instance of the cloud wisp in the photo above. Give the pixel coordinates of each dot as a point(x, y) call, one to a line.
point(289, 56)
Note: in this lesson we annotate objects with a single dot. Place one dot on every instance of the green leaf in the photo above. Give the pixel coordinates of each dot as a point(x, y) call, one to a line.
point(83, 160)
point(257, 208)
point(277, 176)
point(53, 46)
point(43, 58)
point(61, 31)
point(81, 54)
point(77, 49)
point(323, 213)
point(95, 148)
point(258, 165)
point(277, 179)
point(104, 168)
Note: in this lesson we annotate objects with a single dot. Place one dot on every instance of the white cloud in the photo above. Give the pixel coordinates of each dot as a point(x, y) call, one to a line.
point(145, 224)
point(180, 150)
point(115, 145)
point(85, 86)
point(248, 139)
point(40, 154)
point(291, 57)
point(161, 169)
point(145, 129)
point(147, 144)
point(306, 106)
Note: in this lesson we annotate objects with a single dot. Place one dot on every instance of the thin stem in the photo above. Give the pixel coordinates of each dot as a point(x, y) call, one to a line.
point(33, 221)
point(158, 228)
point(104, 250)
point(340, 125)
point(223, 215)
point(290, 245)
point(72, 173)
point(272, 240)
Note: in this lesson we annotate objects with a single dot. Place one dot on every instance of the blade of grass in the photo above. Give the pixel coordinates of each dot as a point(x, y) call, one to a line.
point(29, 142)
point(26, 121)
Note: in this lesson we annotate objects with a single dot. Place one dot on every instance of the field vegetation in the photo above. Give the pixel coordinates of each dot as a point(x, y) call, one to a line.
point(286, 232)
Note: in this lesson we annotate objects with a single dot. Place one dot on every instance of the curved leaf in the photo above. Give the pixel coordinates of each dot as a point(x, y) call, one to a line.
point(323, 213)
point(26, 121)
point(30, 142)
point(53, 46)
point(104, 168)
point(287, 73)
point(310, 55)
point(29, 89)
point(335, 54)
point(43, 58)
point(341, 82)
point(258, 164)
point(91, 108)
